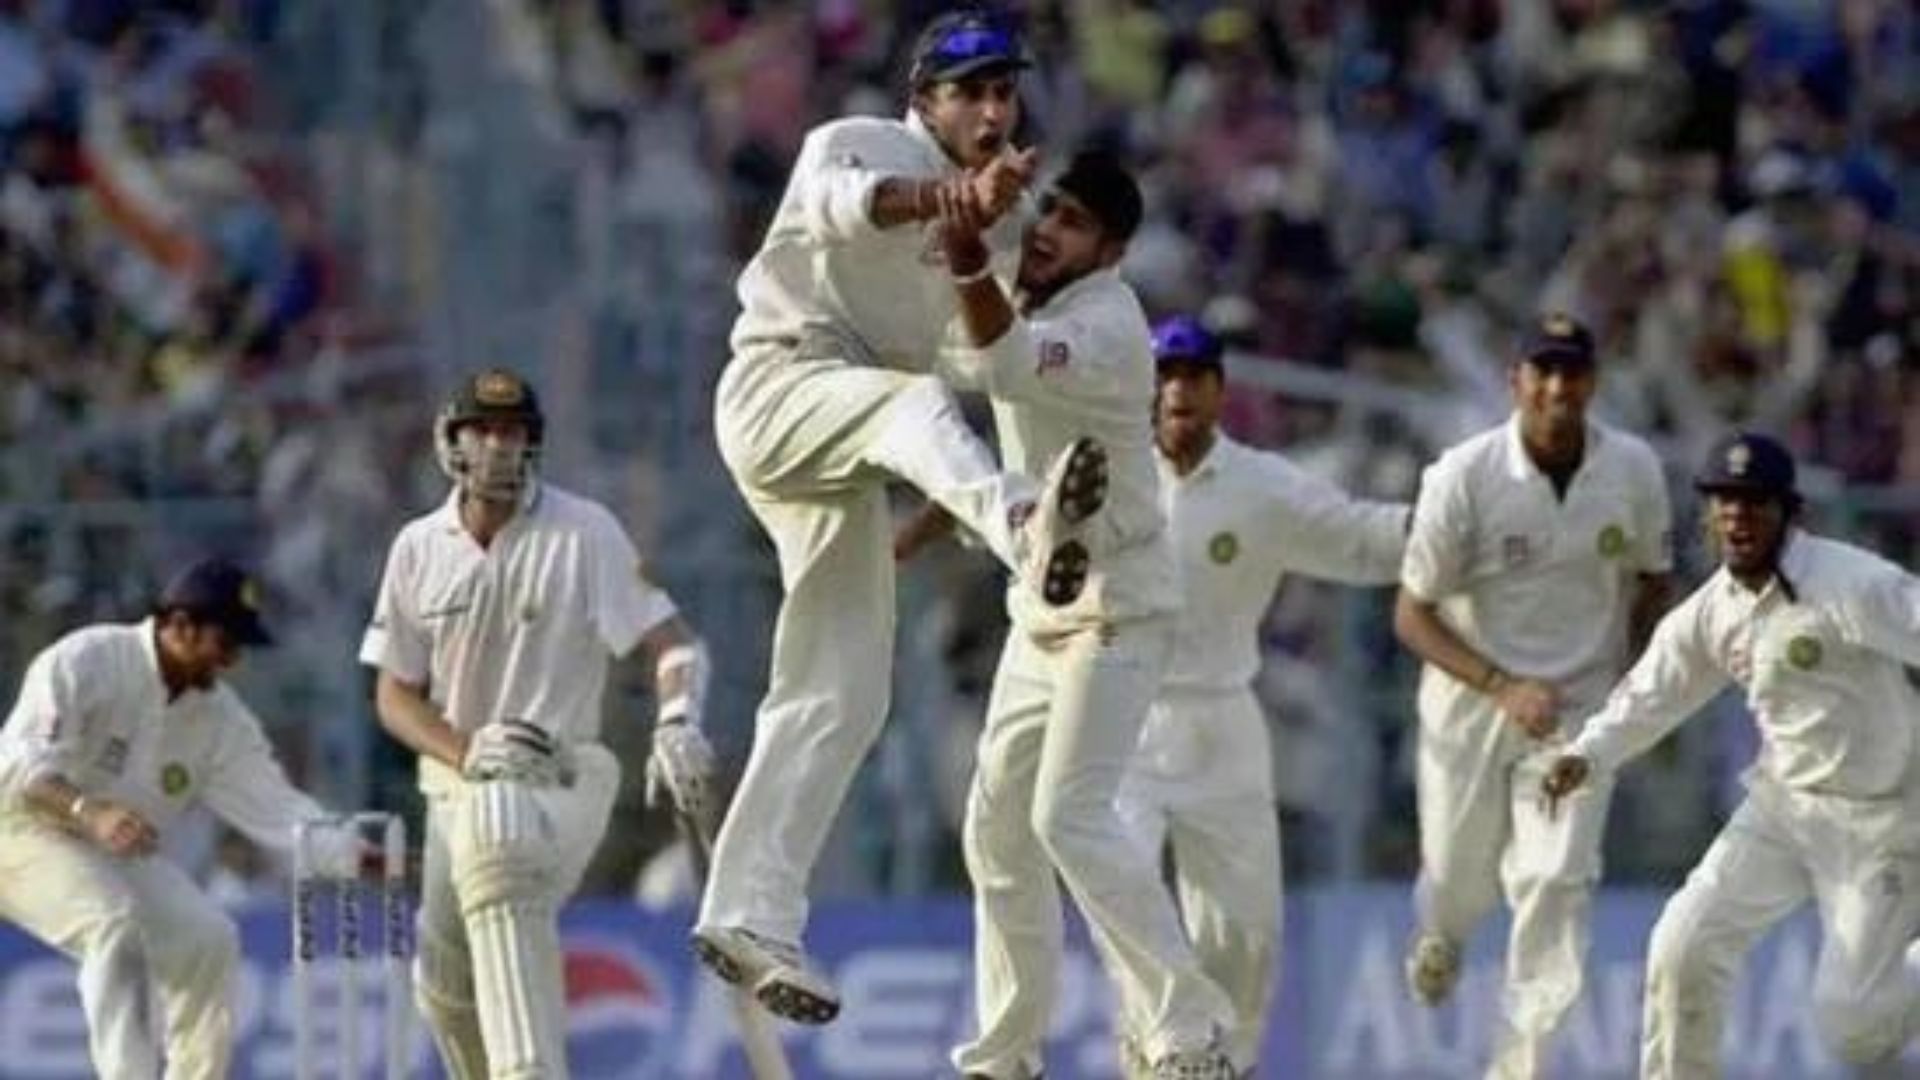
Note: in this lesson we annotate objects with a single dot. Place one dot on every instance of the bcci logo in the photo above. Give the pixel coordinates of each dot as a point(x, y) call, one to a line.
point(1612, 542)
point(1223, 548)
point(174, 779)
point(1804, 652)
point(1739, 459)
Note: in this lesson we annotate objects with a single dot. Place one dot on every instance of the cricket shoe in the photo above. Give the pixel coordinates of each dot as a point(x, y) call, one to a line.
point(777, 973)
point(1058, 550)
point(1206, 1064)
point(1433, 967)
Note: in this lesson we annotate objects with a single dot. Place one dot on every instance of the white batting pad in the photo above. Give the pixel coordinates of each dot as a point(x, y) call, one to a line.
point(520, 987)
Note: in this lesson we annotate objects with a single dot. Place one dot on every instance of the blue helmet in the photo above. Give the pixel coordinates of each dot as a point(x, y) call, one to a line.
point(966, 42)
point(1745, 462)
point(1181, 339)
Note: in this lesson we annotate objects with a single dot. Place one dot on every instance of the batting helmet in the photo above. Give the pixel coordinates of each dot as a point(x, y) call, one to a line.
point(491, 395)
point(1745, 462)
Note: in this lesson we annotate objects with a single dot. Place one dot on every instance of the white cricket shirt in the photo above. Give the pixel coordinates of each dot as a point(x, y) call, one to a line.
point(1082, 365)
point(1240, 522)
point(825, 267)
point(94, 710)
point(1822, 670)
point(521, 630)
point(1541, 585)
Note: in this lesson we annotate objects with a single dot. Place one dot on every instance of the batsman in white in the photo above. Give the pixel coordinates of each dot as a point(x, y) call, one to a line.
point(1817, 635)
point(117, 730)
point(1537, 563)
point(826, 397)
point(494, 630)
point(1066, 360)
point(1241, 520)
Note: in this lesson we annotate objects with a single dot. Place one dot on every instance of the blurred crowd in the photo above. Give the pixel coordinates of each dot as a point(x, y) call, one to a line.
point(168, 299)
point(156, 247)
point(1372, 192)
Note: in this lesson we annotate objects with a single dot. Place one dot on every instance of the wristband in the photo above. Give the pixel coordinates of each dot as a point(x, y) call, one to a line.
point(982, 274)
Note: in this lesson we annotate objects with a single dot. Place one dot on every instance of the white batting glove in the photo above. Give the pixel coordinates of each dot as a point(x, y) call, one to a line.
point(515, 750)
point(339, 854)
point(680, 767)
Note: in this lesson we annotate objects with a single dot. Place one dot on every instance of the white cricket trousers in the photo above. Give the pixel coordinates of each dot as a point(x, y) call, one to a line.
point(134, 925)
point(1858, 860)
point(1485, 834)
point(811, 443)
point(1201, 787)
point(1062, 726)
point(500, 859)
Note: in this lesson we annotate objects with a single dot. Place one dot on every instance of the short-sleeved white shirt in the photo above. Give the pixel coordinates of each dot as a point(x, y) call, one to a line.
point(1822, 663)
point(523, 629)
point(94, 710)
point(1082, 365)
point(1242, 520)
point(1541, 585)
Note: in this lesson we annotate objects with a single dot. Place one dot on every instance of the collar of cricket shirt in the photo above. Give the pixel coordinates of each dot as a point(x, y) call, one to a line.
point(1520, 464)
point(1206, 468)
point(150, 651)
point(1098, 279)
point(924, 135)
point(1789, 571)
point(448, 515)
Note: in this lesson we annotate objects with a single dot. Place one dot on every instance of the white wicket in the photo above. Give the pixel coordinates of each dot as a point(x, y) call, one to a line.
point(348, 895)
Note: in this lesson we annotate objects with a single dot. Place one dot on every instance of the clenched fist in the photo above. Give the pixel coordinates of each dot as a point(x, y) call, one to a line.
point(117, 828)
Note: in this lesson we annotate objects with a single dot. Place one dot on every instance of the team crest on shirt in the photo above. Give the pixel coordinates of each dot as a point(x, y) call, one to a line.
point(1223, 548)
point(113, 757)
point(1515, 551)
point(1804, 652)
point(1612, 542)
point(1054, 357)
point(174, 779)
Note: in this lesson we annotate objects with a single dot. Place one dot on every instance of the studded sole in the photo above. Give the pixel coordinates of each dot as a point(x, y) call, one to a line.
point(1066, 574)
point(1083, 483)
point(792, 1003)
point(717, 961)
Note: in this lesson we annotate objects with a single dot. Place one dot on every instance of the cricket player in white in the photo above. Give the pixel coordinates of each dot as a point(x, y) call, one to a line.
point(1074, 681)
point(496, 621)
point(1537, 562)
point(828, 396)
point(1240, 521)
point(118, 730)
point(1817, 634)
